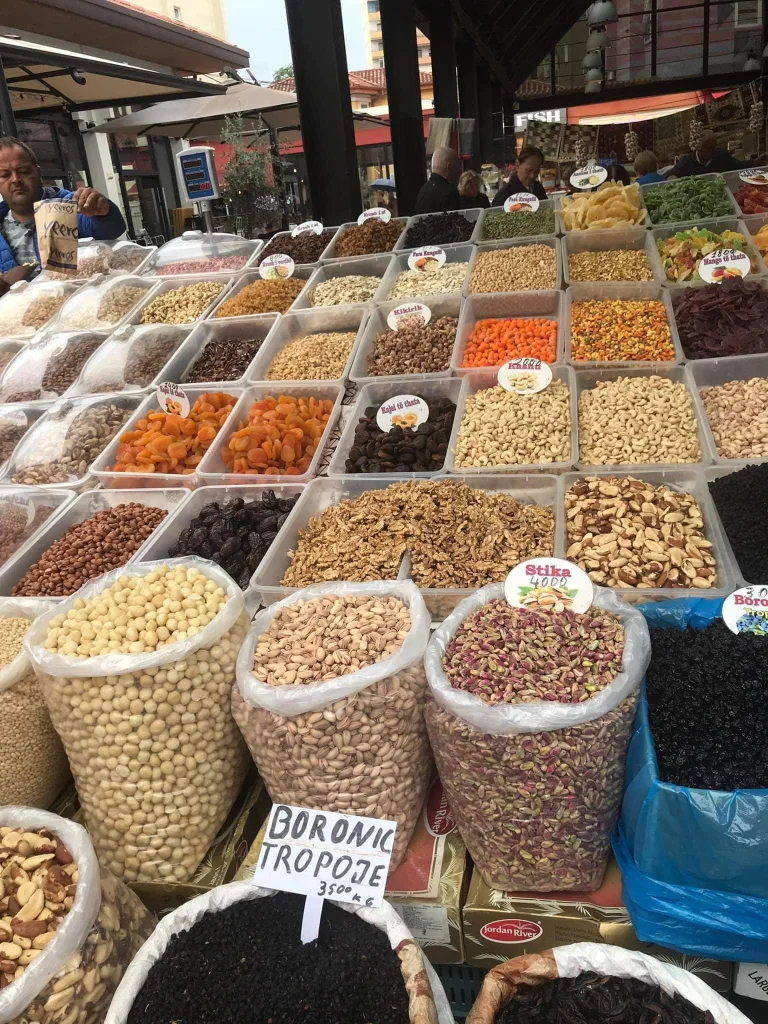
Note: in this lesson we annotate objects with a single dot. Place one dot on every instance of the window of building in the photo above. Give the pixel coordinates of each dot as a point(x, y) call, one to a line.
point(363, 106)
point(380, 63)
point(177, 13)
point(373, 6)
point(747, 14)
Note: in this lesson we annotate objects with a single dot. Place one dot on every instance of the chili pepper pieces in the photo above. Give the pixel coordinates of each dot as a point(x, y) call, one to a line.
point(494, 342)
point(280, 438)
point(616, 330)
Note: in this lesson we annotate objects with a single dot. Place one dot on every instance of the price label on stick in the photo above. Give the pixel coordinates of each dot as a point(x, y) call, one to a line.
point(722, 264)
point(306, 227)
point(589, 176)
point(325, 855)
point(401, 315)
point(754, 175)
point(525, 202)
point(746, 610)
point(279, 264)
point(421, 258)
point(549, 583)
point(375, 213)
point(402, 411)
point(173, 399)
point(525, 376)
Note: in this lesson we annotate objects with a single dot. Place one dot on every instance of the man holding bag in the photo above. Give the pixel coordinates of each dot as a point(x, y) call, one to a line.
point(21, 186)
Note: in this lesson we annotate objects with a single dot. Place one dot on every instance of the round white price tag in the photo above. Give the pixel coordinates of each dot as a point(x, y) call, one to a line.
point(15, 416)
point(376, 213)
point(589, 176)
point(718, 266)
point(746, 610)
point(402, 411)
point(173, 399)
point(277, 265)
point(313, 226)
point(754, 175)
point(419, 258)
point(521, 201)
point(401, 315)
point(549, 584)
point(525, 376)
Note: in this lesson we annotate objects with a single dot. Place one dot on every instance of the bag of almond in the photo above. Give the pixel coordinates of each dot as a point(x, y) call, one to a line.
point(68, 928)
point(33, 766)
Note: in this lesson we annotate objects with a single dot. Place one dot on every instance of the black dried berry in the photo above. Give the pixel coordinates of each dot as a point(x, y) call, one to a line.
point(230, 546)
point(268, 499)
point(402, 449)
point(269, 537)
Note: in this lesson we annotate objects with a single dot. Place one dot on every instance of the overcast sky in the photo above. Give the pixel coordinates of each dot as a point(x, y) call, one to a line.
point(259, 26)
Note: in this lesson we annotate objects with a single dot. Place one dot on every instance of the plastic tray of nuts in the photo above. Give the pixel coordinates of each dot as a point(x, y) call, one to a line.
point(30, 306)
point(528, 279)
point(15, 422)
point(46, 368)
point(707, 373)
point(331, 252)
point(77, 511)
point(376, 394)
point(214, 471)
point(461, 253)
point(503, 305)
point(718, 226)
point(449, 305)
point(611, 240)
point(167, 304)
point(293, 326)
point(105, 302)
point(588, 379)
point(689, 481)
point(165, 536)
point(117, 480)
point(63, 445)
point(632, 291)
point(9, 349)
point(251, 329)
point(133, 359)
point(248, 278)
point(536, 489)
point(482, 379)
point(24, 511)
point(332, 276)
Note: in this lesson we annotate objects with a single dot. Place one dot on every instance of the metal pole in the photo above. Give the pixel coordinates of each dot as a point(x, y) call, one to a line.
point(466, 61)
point(6, 109)
point(406, 122)
point(443, 53)
point(484, 112)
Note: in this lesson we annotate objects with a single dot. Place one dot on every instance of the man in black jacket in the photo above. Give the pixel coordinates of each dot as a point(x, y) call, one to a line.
point(440, 193)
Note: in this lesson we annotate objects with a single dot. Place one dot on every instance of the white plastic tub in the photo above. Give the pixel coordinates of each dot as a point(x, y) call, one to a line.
point(213, 471)
point(716, 226)
point(331, 252)
point(262, 254)
point(31, 501)
point(378, 393)
point(461, 253)
point(299, 324)
point(644, 189)
point(16, 303)
point(449, 305)
point(252, 328)
point(170, 284)
point(481, 379)
point(242, 281)
point(85, 310)
point(472, 216)
point(705, 373)
point(508, 305)
point(514, 243)
point(607, 240)
point(477, 234)
point(26, 372)
point(631, 291)
point(105, 371)
point(353, 266)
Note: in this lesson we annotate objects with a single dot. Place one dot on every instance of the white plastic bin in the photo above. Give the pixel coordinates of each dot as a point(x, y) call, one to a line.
point(251, 328)
point(170, 284)
point(705, 373)
point(508, 305)
point(717, 227)
point(644, 189)
point(170, 259)
point(461, 253)
point(299, 324)
point(242, 281)
point(607, 240)
point(472, 216)
point(89, 309)
point(354, 266)
point(40, 300)
point(544, 204)
point(549, 240)
point(331, 253)
point(32, 517)
point(25, 375)
point(108, 367)
point(272, 246)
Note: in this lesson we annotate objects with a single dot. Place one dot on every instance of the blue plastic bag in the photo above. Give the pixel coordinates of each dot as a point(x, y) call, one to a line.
point(692, 837)
point(694, 862)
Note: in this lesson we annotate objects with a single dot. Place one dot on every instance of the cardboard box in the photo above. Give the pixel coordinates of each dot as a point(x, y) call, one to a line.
point(222, 860)
point(428, 887)
point(501, 925)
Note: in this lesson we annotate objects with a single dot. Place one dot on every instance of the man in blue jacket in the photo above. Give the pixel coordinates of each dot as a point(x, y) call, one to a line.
point(21, 186)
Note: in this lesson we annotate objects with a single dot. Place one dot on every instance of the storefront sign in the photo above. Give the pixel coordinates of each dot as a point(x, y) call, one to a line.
point(402, 411)
point(277, 265)
point(325, 855)
point(549, 584)
point(722, 264)
point(313, 226)
point(525, 376)
point(173, 399)
point(754, 175)
point(589, 176)
point(526, 201)
point(746, 610)
point(400, 315)
point(376, 213)
point(420, 258)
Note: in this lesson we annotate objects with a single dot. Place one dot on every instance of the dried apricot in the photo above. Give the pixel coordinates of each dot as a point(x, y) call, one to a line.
point(280, 437)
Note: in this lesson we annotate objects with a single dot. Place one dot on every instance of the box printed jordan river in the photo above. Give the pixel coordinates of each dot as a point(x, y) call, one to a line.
point(500, 925)
point(428, 886)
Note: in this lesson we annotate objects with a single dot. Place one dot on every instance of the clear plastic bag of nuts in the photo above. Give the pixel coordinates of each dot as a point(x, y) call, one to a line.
point(156, 756)
point(100, 928)
point(536, 786)
point(33, 765)
point(356, 743)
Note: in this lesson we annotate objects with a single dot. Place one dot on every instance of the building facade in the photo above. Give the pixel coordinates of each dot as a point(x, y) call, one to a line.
point(204, 15)
point(373, 44)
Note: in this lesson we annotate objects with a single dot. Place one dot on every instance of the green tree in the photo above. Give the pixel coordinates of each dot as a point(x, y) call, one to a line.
point(282, 73)
point(248, 175)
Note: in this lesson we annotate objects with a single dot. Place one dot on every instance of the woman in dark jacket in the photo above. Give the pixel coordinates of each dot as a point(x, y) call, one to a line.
point(529, 165)
point(472, 195)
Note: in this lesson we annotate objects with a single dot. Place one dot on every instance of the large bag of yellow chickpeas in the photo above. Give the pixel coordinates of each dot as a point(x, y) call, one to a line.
point(142, 705)
point(33, 765)
point(70, 929)
point(353, 742)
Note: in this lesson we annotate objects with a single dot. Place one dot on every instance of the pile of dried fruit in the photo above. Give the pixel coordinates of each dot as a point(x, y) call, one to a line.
point(280, 437)
point(728, 319)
